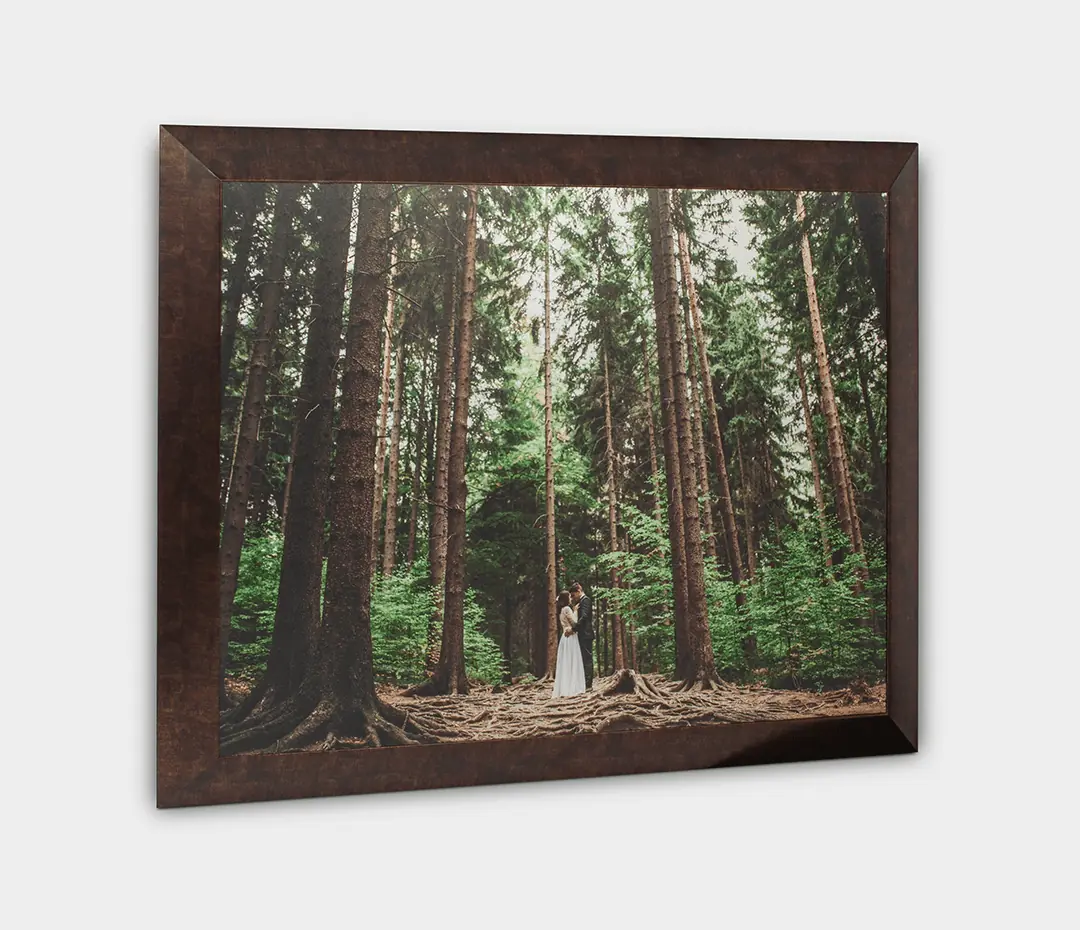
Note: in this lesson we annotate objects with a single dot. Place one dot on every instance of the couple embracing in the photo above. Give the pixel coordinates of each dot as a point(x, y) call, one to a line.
point(574, 662)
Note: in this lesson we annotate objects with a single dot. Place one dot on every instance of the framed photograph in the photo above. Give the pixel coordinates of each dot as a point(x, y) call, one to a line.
point(494, 458)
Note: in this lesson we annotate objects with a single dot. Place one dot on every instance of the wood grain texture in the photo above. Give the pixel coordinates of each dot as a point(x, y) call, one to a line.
point(235, 154)
point(193, 163)
point(902, 468)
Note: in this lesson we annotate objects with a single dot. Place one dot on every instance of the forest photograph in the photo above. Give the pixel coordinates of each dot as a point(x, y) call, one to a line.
point(503, 462)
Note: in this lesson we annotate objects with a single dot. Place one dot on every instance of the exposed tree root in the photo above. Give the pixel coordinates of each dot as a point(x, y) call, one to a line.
point(424, 689)
point(626, 701)
point(258, 700)
point(265, 728)
point(707, 682)
point(310, 728)
point(325, 724)
point(627, 681)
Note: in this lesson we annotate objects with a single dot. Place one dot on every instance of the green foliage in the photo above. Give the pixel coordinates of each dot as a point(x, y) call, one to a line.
point(400, 607)
point(800, 624)
point(809, 625)
point(483, 658)
point(811, 628)
point(401, 604)
point(256, 601)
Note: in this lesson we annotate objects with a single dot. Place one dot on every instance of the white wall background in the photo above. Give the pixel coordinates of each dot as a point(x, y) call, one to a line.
point(976, 830)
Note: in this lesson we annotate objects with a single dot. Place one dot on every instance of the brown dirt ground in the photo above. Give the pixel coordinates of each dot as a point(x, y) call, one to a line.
point(526, 710)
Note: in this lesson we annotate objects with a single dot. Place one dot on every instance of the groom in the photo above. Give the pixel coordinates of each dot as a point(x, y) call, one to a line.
point(584, 628)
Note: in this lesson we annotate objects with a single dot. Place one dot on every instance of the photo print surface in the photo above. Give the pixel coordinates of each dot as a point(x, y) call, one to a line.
point(509, 462)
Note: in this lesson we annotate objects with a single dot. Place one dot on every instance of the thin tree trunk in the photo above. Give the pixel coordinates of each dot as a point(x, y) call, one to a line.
point(811, 443)
point(700, 670)
point(835, 433)
point(876, 458)
point(727, 507)
point(549, 465)
point(450, 673)
point(856, 523)
point(748, 511)
point(669, 435)
point(694, 363)
point(601, 621)
point(252, 198)
point(232, 536)
point(390, 531)
point(619, 655)
point(654, 470)
point(438, 519)
point(418, 454)
point(389, 328)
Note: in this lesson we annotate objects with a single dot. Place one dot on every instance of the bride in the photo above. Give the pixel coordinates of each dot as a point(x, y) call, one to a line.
point(569, 666)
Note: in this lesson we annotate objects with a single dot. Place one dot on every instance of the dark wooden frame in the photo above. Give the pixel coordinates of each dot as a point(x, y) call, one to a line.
point(194, 161)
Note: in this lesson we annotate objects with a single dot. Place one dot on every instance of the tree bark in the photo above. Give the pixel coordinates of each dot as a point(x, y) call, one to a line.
point(749, 516)
point(445, 377)
point(337, 696)
point(390, 531)
point(693, 364)
point(384, 393)
point(449, 677)
point(727, 507)
point(549, 463)
point(619, 654)
point(811, 443)
point(835, 433)
point(874, 438)
point(418, 455)
point(251, 199)
point(232, 536)
point(654, 470)
point(296, 618)
point(669, 436)
point(700, 670)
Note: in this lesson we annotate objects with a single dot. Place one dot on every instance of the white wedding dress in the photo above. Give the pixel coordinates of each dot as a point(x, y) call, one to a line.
point(569, 666)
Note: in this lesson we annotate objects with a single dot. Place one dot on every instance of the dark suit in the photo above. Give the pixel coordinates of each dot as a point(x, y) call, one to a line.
point(584, 628)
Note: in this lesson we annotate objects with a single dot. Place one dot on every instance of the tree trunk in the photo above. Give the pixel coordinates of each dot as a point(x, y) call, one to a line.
point(669, 435)
point(418, 455)
point(337, 696)
point(449, 677)
point(727, 507)
point(251, 199)
point(700, 669)
point(296, 618)
point(693, 364)
point(856, 523)
point(870, 214)
point(619, 654)
point(654, 470)
point(549, 466)
point(384, 392)
point(841, 484)
point(749, 516)
point(601, 622)
point(438, 518)
point(286, 494)
point(811, 443)
point(247, 437)
point(873, 437)
point(390, 531)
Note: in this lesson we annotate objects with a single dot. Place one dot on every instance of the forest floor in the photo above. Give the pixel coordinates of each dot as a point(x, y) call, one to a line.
point(527, 709)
